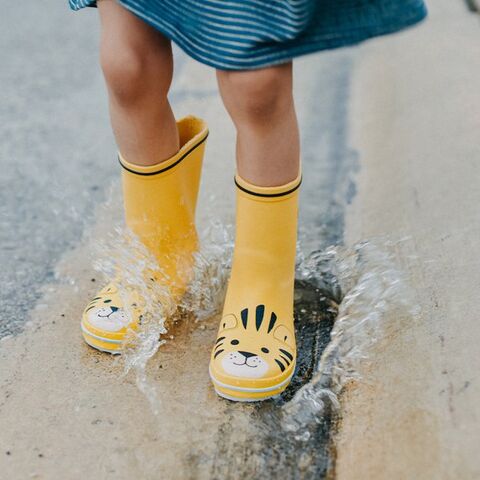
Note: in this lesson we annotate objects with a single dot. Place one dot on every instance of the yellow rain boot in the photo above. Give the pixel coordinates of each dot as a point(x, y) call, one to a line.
point(160, 202)
point(254, 355)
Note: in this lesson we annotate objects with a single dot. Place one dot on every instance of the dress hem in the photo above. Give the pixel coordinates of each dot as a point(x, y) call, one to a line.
point(281, 53)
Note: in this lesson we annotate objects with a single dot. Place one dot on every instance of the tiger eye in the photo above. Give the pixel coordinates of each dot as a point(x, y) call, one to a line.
point(265, 350)
point(234, 342)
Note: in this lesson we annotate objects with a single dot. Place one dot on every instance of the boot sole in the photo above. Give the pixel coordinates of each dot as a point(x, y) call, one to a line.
point(244, 394)
point(101, 343)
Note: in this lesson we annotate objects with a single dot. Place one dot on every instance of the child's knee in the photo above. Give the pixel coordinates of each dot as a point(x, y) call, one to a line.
point(131, 72)
point(255, 94)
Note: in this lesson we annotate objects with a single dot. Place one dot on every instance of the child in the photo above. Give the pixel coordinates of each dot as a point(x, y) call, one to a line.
point(251, 43)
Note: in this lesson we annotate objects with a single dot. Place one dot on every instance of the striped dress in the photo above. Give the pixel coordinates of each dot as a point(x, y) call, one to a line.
point(246, 34)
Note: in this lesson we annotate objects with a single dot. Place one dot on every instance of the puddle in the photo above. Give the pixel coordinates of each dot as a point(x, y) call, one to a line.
point(344, 304)
point(343, 298)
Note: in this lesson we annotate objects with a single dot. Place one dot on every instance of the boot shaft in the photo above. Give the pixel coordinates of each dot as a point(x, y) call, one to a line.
point(265, 242)
point(160, 200)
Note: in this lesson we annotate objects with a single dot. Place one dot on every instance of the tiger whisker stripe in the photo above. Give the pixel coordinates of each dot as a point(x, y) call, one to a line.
point(285, 360)
point(218, 353)
point(280, 364)
point(288, 354)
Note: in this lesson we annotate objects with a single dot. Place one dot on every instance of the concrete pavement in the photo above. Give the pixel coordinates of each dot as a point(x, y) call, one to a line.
point(415, 116)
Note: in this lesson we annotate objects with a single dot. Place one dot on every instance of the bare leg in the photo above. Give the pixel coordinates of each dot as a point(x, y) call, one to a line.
point(137, 64)
point(260, 103)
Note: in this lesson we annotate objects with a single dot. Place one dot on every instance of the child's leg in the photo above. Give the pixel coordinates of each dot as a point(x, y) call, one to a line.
point(260, 103)
point(137, 64)
point(254, 356)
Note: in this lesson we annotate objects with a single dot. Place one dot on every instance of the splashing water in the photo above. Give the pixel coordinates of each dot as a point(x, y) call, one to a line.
point(122, 257)
point(363, 283)
point(374, 298)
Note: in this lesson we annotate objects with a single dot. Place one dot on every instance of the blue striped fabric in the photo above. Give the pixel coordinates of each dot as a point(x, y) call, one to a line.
point(245, 34)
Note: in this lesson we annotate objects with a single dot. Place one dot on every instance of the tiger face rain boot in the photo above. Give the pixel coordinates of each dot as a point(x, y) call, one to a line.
point(254, 354)
point(160, 202)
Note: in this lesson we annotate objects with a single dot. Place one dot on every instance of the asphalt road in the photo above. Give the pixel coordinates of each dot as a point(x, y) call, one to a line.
point(55, 146)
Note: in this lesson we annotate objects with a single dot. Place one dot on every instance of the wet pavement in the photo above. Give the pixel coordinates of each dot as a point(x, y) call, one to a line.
point(269, 451)
point(374, 137)
point(57, 150)
point(58, 163)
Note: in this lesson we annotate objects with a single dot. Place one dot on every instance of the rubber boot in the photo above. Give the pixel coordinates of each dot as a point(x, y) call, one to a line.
point(160, 202)
point(254, 354)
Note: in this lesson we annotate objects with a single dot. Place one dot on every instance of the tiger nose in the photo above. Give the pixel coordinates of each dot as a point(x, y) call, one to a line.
point(113, 309)
point(247, 354)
